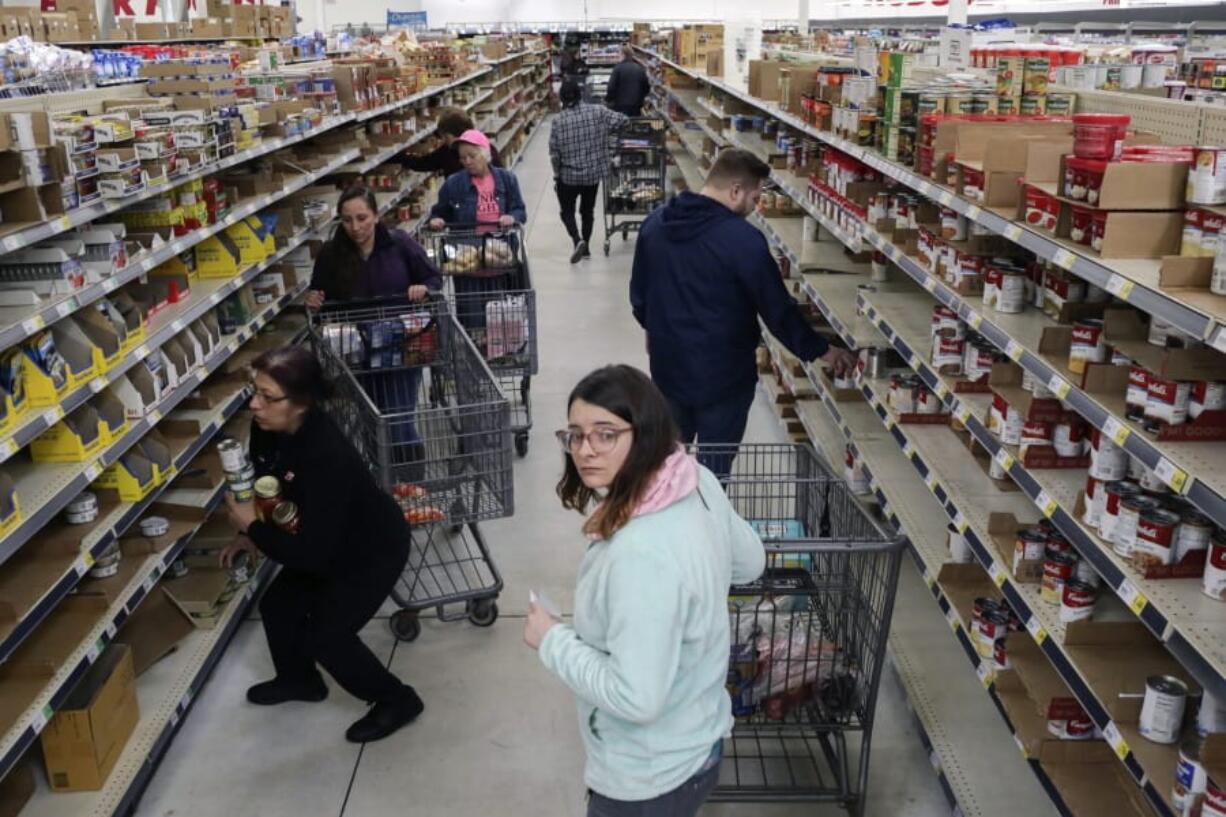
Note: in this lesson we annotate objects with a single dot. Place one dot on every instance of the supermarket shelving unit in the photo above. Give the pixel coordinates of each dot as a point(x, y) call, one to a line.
point(1189, 625)
point(54, 611)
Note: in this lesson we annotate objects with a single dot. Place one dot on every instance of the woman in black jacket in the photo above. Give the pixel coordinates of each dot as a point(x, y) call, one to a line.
point(341, 562)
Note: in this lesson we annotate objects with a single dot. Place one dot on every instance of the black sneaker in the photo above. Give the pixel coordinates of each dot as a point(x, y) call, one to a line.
point(580, 252)
point(587, 250)
point(279, 691)
point(385, 718)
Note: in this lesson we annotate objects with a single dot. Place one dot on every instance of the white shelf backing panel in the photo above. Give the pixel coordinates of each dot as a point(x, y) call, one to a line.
point(1171, 119)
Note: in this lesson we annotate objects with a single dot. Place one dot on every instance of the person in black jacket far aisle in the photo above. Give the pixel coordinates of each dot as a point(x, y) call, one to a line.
point(628, 85)
point(445, 159)
point(340, 563)
point(702, 276)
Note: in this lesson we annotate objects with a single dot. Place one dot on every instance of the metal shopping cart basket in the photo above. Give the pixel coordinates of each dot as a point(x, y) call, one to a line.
point(490, 291)
point(418, 402)
point(637, 176)
point(809, 637)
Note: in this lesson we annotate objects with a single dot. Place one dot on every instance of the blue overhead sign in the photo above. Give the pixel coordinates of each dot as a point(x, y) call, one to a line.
point(407, 19)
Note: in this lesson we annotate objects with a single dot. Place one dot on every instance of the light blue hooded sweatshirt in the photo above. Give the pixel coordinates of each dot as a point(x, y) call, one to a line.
point(647, 657)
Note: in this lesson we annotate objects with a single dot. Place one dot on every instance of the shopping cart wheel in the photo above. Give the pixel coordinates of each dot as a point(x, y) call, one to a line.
point(405, 625)
point(521, 443)
point(483, 612)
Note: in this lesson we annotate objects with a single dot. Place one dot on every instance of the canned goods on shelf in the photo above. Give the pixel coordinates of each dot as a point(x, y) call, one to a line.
point(107, 563)
point(154, 526)
point(1057, 570)
point(1162, 709)
point(1214, 578)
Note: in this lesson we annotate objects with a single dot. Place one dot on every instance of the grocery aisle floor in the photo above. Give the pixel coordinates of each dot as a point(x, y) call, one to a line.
point(499, 735)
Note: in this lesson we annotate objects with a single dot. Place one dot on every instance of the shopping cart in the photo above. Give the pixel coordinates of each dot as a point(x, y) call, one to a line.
point(418, 402)
point(637, 176)
point(490, 292)
point(808, 637)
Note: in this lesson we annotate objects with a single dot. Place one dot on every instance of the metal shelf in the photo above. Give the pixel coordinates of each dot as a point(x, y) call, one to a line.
point(363, 116)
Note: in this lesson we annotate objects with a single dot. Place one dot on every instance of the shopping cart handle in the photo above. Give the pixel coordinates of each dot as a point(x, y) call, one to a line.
point(434, 298)
point(473, 229)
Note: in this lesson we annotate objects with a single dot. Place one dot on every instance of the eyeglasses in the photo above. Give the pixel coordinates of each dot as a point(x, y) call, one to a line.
point(602, 440)
point(267, 398)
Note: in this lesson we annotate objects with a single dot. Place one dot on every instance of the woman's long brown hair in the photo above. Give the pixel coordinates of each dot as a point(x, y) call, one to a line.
point(629, 394)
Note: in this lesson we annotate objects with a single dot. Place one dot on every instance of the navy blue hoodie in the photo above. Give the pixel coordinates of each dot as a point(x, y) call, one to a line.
point(702, 276)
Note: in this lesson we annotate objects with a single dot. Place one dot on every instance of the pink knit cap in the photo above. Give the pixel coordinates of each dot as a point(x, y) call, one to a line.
point(475, 137)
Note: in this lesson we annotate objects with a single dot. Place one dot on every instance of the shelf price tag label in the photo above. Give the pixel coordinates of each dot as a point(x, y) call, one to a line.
point(94, 650)
point(963, 413)
point(1117, 431)
point(32, 325)
point(92, 472)
point(931, 480)
point(1115, 740)
point(52, 415)
point(974, 319)
point(1171, 475)
point(942, 391)
point(934, 761)
point(1119, 286)
point(1130, 595)
point(1046, 504)
point(998, 574)
point(8, 449)
point(951, 616)
point(1021, 747)
point(1063, 258)
point(929, 579)
point(946, 198)
point(985, 674)
point(908, 451)
point(1013, 232)
point(97, 384)
point(1059, 386)
point(960, 522)
point(973, 212)
point(1036, 630)
point(1014, 350)
point(1003, 458)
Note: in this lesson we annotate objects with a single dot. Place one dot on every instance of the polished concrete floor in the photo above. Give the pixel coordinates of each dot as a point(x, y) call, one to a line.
point(499, 735)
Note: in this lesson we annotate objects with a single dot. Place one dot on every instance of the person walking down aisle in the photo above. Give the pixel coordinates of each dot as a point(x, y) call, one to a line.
point(628, 85)
point(445, 159)
point(701, 278)
point(647, 657)
point(338, 564)
point(579, 150)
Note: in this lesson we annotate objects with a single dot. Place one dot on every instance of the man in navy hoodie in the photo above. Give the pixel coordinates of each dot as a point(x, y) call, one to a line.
point(702, 277)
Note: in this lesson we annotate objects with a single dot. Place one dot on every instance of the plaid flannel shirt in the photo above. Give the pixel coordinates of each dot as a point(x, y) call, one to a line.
point(579, 143)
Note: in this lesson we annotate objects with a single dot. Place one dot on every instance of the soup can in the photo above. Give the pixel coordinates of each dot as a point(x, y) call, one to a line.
point(1207, 176)
point(1092, 502)
point(1166, 401)
point(1154, 542)
point(1077, 601)
point(1190, 777)
point(1162, 710)
point(1057, 570)
point(1087, 346)
point(1131, 509)
point(1012, 296)
point(1207, 395)
point(1029, 546)
point(1195, 531)
point(959, 547)
point(233, 457)
point(1068, 437)
point(1086, 574)
point(1113, 493)
point(1137, 394)
point(1108, 461)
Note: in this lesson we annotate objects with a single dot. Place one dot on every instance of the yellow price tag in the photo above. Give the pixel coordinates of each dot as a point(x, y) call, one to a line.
point(929, 579)
point(964, 413)
point(1119, 286)
point(64, 223)
point(1171, 475)
point(1131, 596)
point(1046, 504)
point(1058, 386)
point(1116, 431)
point(975, 320)
point(1063, 258)
point(87, 559)
point(985, 674)
point(1013, 232)
point(1116, 741)
point(973, 212)
point(998, 574)
point(960, 522)
point(1014, 350)
point(930, 283)
point(942, 390)
point(946, 198)
point(931, 480)
point(1004, 459)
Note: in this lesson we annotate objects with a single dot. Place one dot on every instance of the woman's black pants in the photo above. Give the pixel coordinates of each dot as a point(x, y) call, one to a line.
point(312, 620)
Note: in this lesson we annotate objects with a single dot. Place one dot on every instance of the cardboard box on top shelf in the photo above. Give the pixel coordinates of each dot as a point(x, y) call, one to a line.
point(1131, 234)
point(1136, 186)
point(152, 31)
point(715, 63)
point(764, 79)
point(208, 27)
point(1008, 159)
point(1006, 382)
point(84, 739)
point(204, 593)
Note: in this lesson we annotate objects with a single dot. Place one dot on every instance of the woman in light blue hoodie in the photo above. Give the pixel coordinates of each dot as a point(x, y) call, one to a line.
point(647, 656)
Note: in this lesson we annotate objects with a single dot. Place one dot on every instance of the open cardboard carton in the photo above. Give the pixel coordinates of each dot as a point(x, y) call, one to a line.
point(1046, 690)
point(1131, 234)
point(1116, 657)
point(966, 140)
point(84, 740)
point(1027, 717)
point(204, 593)
point(1134, 186)
point(1006, 381)
point(183, 519)
point(963, 583)
point(1124, 330)
point(1008, 159)
point(838, 395)
point(1192, 566)
point(154, 630)
point(1003, 529)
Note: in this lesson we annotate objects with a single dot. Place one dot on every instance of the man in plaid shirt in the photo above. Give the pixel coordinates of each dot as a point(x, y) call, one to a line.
point(579, 149)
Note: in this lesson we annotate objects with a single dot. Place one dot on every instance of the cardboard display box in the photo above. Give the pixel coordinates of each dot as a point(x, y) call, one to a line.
point(982, 457)
point(1135, 186)
point(1003, 529)
point(85, 738)
point(1008, 159)
point(154, 631)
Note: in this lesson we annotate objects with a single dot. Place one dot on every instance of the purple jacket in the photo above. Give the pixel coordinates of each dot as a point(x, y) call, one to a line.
point(396, 263)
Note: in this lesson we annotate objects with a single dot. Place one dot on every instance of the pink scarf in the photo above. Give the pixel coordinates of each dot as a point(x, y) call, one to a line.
point(676, 479)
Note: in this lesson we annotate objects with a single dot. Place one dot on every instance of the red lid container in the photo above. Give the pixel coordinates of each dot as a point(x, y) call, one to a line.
point(1099, 135)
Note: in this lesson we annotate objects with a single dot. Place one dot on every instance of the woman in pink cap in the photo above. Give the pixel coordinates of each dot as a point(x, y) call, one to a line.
point(480, 194)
